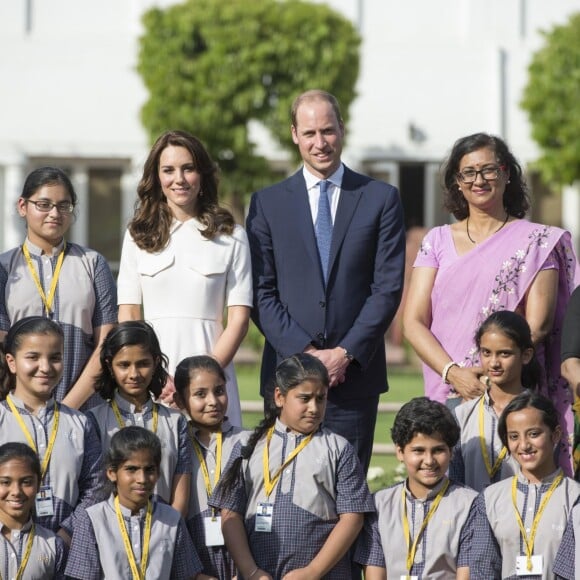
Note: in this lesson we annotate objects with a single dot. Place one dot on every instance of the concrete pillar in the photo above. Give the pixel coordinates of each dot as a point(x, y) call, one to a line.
point(393, 169)
point(129, 181)
point(432, 196)
point(14, 230)
point(80, 229)
point(571, 212)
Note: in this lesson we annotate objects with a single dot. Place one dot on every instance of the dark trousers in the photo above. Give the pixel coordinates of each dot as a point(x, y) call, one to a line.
point(355, 420)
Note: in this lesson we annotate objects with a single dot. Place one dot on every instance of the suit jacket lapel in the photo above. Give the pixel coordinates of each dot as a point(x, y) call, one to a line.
point(350, 193)
point(300, 219)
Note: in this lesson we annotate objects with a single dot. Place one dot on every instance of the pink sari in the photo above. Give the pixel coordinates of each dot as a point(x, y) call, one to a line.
point(496, 275)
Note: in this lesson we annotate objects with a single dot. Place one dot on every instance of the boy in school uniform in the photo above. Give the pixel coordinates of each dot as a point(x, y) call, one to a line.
point(427, 514)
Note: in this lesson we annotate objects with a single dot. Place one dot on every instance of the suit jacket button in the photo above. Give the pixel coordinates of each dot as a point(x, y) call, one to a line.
point(320, 336)
point(322, 304)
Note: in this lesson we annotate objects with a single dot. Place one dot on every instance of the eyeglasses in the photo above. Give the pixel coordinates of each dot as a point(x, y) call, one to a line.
point(488, 173)
point(46, 206)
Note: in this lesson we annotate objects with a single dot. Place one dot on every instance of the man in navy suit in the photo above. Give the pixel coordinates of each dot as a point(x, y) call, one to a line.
point(333, 299)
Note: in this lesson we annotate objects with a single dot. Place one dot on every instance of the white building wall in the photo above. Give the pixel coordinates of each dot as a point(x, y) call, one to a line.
point(72, 86)
point(438, 65)
point(70, 91)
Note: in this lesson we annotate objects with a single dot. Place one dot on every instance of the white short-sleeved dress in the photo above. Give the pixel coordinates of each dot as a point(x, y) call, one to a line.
point(185, 288)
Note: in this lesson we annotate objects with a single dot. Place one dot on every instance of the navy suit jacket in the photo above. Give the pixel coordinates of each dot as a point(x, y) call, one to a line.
point(292, 306)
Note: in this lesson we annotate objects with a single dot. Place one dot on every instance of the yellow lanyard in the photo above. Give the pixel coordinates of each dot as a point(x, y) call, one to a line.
point(29, 438)
point(270, 483)
point(137, 574)
point(412, 548)
point(46, 300)
point(203, 464)
point(491, 470)
point(529, 542)
point(26, 557)
point(121, 423)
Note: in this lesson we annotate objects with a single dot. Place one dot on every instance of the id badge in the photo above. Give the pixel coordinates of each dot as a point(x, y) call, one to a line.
point(213, 531)
point(264, 517)
point(407, 577)
point(522, 566)
point(43, 501)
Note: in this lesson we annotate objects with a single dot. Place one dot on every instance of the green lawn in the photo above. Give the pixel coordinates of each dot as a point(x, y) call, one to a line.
point(404, 385)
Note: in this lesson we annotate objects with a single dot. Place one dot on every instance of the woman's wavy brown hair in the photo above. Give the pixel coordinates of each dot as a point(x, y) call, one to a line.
point(152, 220)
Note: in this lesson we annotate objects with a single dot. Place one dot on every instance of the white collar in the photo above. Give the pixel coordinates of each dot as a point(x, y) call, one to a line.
point(313, 180)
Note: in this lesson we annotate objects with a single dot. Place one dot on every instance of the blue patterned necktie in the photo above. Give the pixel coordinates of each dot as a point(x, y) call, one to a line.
point(323, 227)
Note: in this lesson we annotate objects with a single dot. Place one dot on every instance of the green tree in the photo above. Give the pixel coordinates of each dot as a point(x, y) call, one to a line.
point(552, 100)
point(212, 66)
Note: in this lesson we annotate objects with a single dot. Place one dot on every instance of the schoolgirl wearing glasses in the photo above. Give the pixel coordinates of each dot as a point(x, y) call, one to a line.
point(49, 276)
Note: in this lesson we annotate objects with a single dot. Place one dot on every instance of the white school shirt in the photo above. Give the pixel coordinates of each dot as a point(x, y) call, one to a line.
point(438, 549)
point(46, 560)
point(323, 481)
point(467, 465)
point(171, 430)
point(501, 516)
point(75, 472)
point(231, 436)
point(100, 523)
point(85, 298)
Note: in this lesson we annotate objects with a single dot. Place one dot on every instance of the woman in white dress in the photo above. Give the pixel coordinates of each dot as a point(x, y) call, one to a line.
point(186, 261)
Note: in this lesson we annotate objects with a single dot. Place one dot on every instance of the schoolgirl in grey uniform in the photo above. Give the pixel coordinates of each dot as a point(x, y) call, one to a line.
point(65, 440)
point(27, 550)
point(133, 374)
point(295, 499)
point(200, 385)
point(130, 534)
point(519, 521)
point(49, 276)
point(506, 353)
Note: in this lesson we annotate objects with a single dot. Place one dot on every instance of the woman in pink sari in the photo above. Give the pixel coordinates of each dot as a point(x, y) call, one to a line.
point(490, 259)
